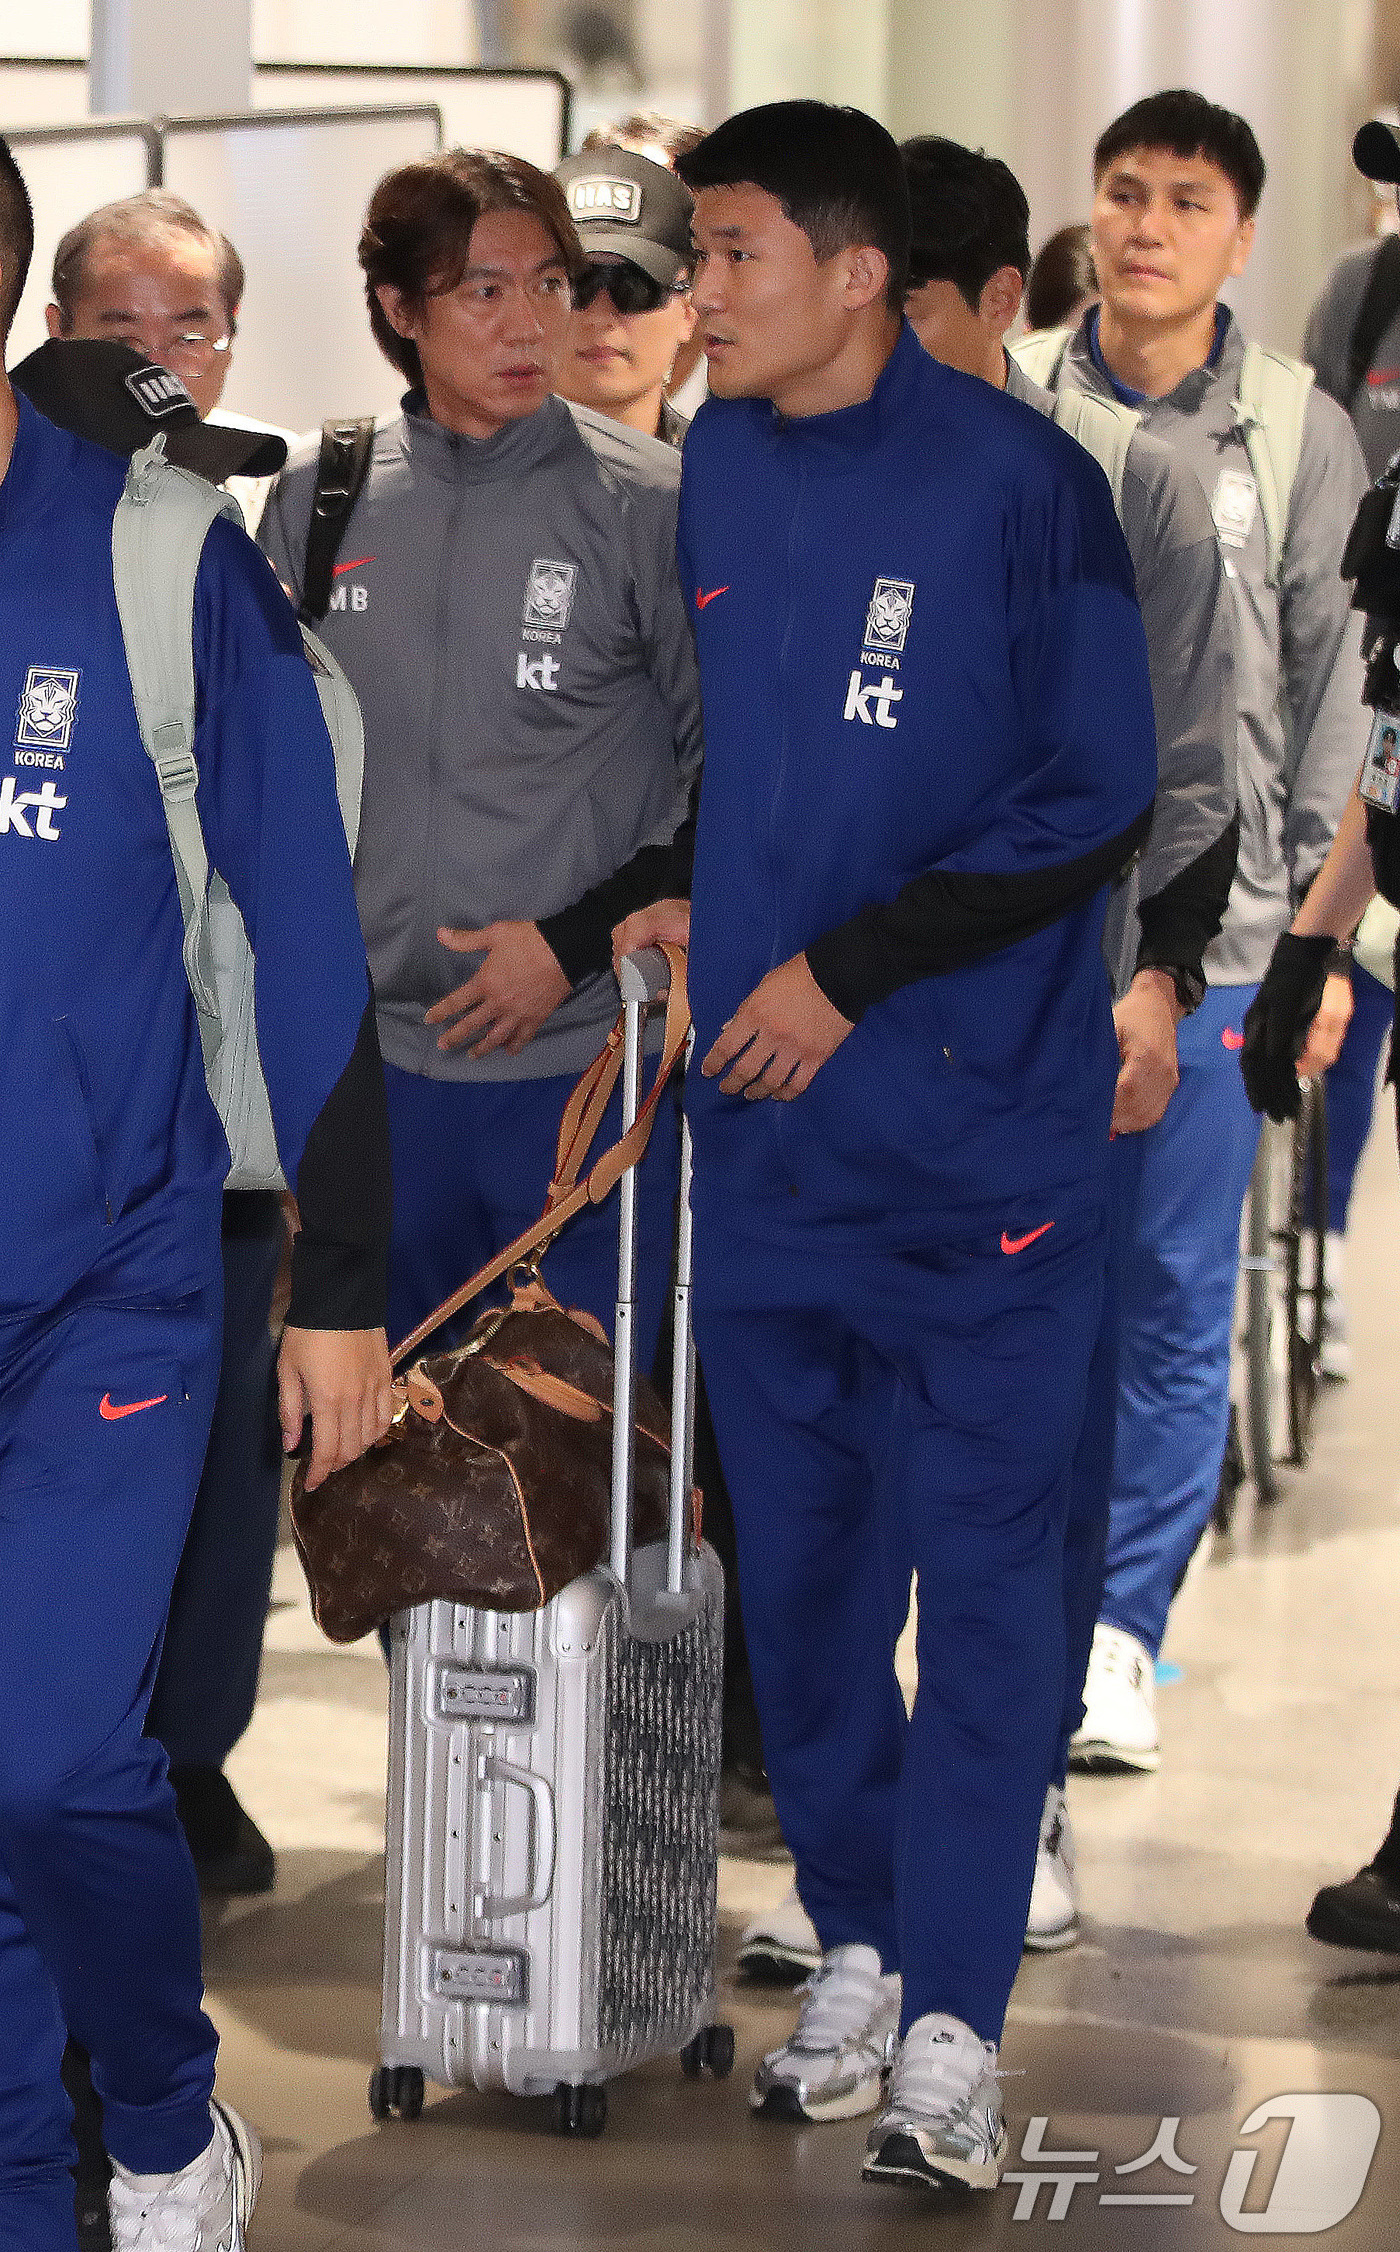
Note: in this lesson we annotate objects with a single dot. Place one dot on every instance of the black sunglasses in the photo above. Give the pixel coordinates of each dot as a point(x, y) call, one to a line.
point(631, 290)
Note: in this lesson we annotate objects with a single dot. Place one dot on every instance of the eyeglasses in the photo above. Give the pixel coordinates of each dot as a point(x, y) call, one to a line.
point(631, 290)
point(196, 351)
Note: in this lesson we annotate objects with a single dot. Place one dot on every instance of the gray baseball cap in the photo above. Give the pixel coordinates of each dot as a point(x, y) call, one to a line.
point(625, 204)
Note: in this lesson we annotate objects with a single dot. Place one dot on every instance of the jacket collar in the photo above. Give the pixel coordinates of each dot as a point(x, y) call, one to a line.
point(853, 429)
point(514, 450)
point(1193, 390)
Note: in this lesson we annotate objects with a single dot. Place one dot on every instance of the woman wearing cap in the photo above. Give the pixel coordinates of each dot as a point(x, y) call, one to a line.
point(632, 313)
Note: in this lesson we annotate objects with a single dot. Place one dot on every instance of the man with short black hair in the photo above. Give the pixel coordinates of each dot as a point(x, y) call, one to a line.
point(971, 255)
point(914, 800)
point(968, 261)
point(110, 1289)
point(1177, 185)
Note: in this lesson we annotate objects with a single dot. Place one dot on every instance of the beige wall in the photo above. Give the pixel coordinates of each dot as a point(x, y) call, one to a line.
point(1036, 80)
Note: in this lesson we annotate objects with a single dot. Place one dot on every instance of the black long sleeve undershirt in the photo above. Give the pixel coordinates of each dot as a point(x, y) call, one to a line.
point(581, 936)
point(944, 921)
point(340, 1256)
point(1179, 921)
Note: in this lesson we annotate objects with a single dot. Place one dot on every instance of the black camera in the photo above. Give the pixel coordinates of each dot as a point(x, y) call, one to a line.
point(1372, 561)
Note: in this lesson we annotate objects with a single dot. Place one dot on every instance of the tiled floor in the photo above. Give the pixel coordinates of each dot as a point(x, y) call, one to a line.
point(1194, 1996)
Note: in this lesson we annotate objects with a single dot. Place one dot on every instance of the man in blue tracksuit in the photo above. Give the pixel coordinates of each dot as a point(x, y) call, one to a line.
point(110, 1290)
point(914, 798)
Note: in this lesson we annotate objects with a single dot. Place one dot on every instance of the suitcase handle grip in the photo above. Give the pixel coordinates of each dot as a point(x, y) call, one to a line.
point(491, 1904)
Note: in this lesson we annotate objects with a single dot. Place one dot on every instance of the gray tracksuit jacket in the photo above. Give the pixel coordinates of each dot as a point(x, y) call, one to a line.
point(1169, 909)
point(1375, 410)
point(509, 615)
point(1298, 672)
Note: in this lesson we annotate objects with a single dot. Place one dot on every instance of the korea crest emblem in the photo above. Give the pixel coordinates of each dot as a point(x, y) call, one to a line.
point(48, 707)
point(887, 620)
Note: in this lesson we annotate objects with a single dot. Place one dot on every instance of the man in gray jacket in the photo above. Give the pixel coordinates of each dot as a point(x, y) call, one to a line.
point(510, 617)
point(1178, 181)
point(971, 255)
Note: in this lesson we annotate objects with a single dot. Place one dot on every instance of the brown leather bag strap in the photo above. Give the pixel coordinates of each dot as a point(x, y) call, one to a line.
point(583, 1114)
point(607, 1170)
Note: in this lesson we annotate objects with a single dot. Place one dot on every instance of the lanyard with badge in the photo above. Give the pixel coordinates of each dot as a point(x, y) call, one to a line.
point(1380, 775)
point(1379, 785)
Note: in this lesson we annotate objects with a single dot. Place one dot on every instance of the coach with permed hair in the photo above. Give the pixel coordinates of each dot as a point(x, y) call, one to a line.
point(508, 610)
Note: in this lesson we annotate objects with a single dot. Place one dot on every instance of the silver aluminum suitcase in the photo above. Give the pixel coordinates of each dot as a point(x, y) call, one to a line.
point(553, 1801)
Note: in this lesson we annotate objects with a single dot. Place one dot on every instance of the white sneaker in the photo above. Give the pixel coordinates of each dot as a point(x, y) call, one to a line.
point(942, 2125)
point(1119, 1728)
point(203, 2208)
point(834, 2064)
point(1053, 1921)
point(1334, 1358)
point(781, 1947)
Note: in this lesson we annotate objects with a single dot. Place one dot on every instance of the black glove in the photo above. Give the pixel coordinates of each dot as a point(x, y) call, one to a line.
point(1277, 1019)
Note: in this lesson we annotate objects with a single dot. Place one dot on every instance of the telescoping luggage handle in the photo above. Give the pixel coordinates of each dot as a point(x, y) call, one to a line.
point(642, 979)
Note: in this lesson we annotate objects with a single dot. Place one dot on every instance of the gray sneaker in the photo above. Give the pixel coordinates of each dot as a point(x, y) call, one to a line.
point(833, 2066)
point(203, 2208)
point(942, 2125)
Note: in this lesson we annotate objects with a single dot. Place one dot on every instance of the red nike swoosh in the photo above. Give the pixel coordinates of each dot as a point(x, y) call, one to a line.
point(703, 600)
point(1011, 1244)
point(1229, 1038)
point(111, 1414)
point(358, 565)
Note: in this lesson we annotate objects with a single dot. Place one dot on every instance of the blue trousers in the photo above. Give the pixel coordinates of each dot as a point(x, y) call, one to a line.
point(472, 1164)
point(1351, 1089)
point(104, 1413)
point(208, 1680)
point(1091, 1480)
point(874, 1412)
point(1178, 1307)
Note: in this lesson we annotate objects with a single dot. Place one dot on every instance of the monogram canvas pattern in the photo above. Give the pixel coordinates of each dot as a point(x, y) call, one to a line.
point(491, 1487)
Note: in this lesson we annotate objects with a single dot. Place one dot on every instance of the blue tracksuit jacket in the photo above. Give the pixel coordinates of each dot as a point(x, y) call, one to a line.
point(920, 650)
point(115, 1156)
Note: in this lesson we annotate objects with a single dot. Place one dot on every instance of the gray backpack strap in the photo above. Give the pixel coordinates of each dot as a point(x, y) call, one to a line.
point(340, 708)
point(1104, 428)
point(158, 534)
point(1271, 406)
point(1041, 355)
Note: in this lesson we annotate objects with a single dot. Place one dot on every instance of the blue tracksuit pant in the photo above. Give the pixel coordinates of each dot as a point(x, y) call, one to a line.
point(1178, 1308)
point(104, 1412)
point(1086, 1530)
point(207, 1685)
point(1351, 1089)
point(473, 1160)
point(877, 1410)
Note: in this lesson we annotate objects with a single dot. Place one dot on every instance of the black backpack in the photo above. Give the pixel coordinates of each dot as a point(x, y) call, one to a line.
point(340, 475)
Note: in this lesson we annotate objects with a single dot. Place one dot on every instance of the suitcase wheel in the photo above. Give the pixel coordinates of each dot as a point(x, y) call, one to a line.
point(579, 2110)
point(396, 2089)
point(711, 2051)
